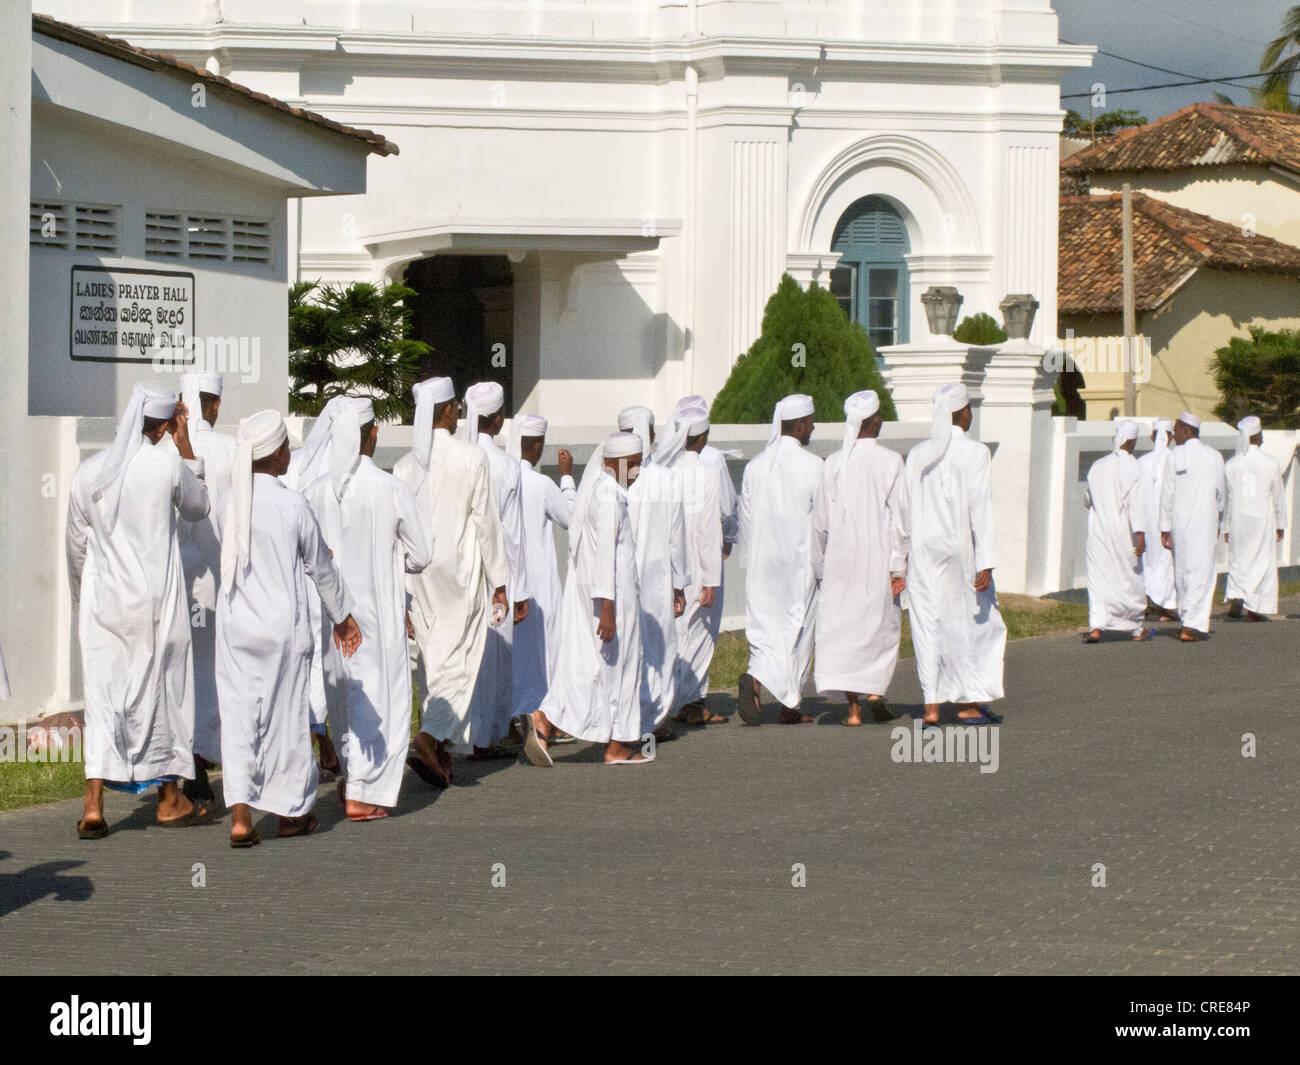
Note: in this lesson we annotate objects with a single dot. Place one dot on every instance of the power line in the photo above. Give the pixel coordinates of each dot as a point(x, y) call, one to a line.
point(1172, 85)
point(1193, 22)
point(1139, 63)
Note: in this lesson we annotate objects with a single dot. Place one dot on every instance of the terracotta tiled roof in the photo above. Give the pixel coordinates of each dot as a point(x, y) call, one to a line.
point(1169, 245)
point(1199, 135)
point(120, 49)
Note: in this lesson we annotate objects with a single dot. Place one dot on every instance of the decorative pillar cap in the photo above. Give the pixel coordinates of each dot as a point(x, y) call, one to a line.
point(1018, 315)
point(942, 304)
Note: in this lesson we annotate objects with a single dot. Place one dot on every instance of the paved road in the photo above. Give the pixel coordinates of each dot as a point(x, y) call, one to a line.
point(1120, 754)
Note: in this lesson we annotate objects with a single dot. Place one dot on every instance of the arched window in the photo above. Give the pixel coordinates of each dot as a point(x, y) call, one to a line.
point(870, 281)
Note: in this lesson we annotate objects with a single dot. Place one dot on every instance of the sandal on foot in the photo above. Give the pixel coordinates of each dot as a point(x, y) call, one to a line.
point(299, 826)
point(435, 778)
point(92, 830)
point(751, 712)
point(251, 840)
point(199, 814)
point(535, 746)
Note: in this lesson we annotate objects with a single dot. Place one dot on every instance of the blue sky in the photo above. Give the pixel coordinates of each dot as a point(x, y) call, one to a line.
point(1203, 38)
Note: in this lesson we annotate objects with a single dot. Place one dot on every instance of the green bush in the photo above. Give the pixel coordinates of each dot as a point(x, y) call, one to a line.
point(807, 345)
point(979, 330)
point(352, 341)
point(1260, 376)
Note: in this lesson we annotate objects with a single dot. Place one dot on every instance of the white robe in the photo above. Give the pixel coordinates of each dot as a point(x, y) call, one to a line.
point(201, 560)
point(859, 543)
point(729, 504)
point(537, 642)
point(378, 536)
point(776, 503)
point(957, 634)
point(128, 588)
point(264, 643)
point(1158, 561)
point(1255, 510)
point(655, 507)
point(451, 601)
point(316, 679)
point(1191, 505)
point(1116, 502)
point(596, 693)
point(492, 703)
point(696, 634)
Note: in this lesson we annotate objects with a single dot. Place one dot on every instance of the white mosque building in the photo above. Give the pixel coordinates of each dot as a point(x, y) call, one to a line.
point(595, 198)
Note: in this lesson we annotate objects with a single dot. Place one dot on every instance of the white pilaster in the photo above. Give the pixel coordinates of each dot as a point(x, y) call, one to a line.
point(758, 216)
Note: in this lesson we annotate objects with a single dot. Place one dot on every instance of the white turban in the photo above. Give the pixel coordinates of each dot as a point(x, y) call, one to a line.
point(639, 420)
point(686, 421)
point(857, 409)
point(345, 440)
point(948, 400)
point(312, 459)
point(191, 384)
point(691, 401)
point(793, 406)
point(1125, 430)
point(428, 394)
point(147, 401)
point(1161, 427)
point(482, 399)
point(1188, 418)
point(525, 425)
point(616, 445)
point(1246, 428)
point(257, 438)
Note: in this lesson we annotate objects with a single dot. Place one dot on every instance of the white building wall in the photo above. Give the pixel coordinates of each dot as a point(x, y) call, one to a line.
point(524, 123)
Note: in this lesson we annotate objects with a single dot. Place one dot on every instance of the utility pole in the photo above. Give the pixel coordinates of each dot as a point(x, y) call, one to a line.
point(1130, 386)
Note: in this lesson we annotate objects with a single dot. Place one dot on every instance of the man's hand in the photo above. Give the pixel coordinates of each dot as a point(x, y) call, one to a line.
point(1140, 544)
point(521, 611)
point(1279, 536)
point(679, 602)
point(500, 604)
point(983, 579)
point(347, 636)
point(565, 461)
point(1167, 541)
point(706, 597)
point(179, 427)
point(606, 628)
point(726, 551)
point(410, 629)
point(897, 584)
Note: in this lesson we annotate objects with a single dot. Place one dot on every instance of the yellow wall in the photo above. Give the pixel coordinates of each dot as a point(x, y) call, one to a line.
point(1233, 194)
point(1207, 312)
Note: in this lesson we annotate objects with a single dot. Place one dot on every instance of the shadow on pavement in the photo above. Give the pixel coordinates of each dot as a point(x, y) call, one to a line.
point(36, 882)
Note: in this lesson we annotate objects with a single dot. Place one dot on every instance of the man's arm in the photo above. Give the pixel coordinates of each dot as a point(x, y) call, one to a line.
point(76, 538)
point(1279, 502)
point(981, 517)
point(487, 525)
point(411, 530)
point(821, 521)
point(336, 600)
point(745, 517)
point(899, 541)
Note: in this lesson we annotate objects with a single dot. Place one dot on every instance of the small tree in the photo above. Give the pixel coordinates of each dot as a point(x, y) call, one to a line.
point(1102, 125)
point(1260, 376)
point(979, 330)
point(807, 345)
point(352, 341)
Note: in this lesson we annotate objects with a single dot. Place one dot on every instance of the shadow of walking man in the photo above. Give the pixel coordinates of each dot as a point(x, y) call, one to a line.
point(34, 883)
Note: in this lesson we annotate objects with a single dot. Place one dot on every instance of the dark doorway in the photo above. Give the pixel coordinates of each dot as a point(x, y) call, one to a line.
point(464, 310)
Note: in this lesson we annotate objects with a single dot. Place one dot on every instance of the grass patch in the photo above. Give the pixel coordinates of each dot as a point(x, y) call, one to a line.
point(32, 783)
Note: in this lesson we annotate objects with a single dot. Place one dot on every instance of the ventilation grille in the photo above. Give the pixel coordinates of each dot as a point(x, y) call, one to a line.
point(76, 227)
point(214, 238)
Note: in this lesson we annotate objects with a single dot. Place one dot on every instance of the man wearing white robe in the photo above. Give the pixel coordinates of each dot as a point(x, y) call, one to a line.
point(656, 509)
point(729, 504)
point(1157, 561)
point(1115, 497)
point(957, 633)
point(1191, 507)
point(596, 693)
point(860, 562)
point(373, 526)
point(128, 592)
point(543, 505)
point(271, 548)
point(305, 465)
point(680, 451)
point(491, 706)
point(201, 560)
point(463, 590)
point(1254, 522)
point(776, 552)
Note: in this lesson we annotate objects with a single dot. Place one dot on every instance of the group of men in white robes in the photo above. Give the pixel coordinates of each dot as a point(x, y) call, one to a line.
point(829, 548)
point(1188, 496)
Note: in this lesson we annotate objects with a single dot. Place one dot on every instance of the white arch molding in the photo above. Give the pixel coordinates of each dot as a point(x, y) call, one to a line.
point(919, 181)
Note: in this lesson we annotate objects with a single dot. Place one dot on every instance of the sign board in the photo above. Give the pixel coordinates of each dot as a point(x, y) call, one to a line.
point(125, 315)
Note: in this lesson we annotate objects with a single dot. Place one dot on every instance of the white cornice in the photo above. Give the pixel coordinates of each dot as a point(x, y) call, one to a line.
point(290, 40)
